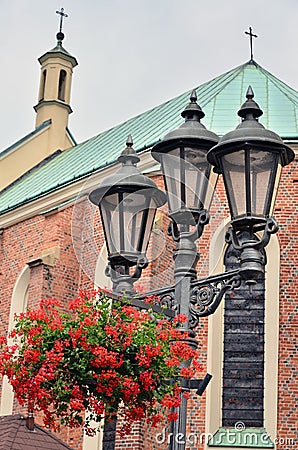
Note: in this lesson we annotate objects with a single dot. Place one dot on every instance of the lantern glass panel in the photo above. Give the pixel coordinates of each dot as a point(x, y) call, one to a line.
point(171, 172)
point(234, 176)
point(250, 179)
point(107, 206)
point(186, 174)
point(263, 169)
point(275, 188)
point(128, 219)
point(148, 216)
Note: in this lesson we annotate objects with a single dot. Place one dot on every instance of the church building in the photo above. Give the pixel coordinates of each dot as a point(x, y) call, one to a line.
point(52, 244)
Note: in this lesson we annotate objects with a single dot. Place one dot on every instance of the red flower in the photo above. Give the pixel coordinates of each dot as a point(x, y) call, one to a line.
point(102, 358)
point(180, 318)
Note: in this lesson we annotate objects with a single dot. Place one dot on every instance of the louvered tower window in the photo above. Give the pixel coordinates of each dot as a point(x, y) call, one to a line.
point(42, 85)
point(243, 365)
point(61, 87)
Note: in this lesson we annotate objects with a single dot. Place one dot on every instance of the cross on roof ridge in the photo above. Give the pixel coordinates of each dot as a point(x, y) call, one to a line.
point(251, 35)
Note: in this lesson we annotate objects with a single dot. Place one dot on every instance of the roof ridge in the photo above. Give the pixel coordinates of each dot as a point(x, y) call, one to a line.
point(37, 166)
point(163, 104)
point(49, 433)
point(287, 90)
point(230, 75)
point(24, 138)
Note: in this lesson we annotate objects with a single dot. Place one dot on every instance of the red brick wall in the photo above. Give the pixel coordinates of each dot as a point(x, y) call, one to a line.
point(286, 213)
point(25, 242)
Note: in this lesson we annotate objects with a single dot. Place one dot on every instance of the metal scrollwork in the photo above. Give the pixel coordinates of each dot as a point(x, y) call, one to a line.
point(161, 300)
point(200, 222)
point(252, 257)
point(202, 296)
point(168, 301)
point(206, 297)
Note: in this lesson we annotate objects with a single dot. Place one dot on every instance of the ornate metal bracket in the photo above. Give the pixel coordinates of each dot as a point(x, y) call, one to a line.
point(165, 301)
point(251, 255)
point(271, 227)
point(207, 294)
point(121, 277)
point(175, 231)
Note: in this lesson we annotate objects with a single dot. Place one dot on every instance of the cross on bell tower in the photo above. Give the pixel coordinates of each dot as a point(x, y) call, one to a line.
point(60, 34)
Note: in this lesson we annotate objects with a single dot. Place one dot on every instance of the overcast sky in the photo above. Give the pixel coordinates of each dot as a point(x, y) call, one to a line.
point(135, 54)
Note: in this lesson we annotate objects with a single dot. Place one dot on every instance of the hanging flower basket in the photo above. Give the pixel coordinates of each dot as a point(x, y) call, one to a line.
point(96, 361)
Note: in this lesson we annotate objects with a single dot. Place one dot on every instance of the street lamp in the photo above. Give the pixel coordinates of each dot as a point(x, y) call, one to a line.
point(188, 177)
point(127, 202)
point(250, 159)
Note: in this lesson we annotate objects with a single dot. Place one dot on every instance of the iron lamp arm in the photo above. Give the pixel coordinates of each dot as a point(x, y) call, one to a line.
point(205, 296)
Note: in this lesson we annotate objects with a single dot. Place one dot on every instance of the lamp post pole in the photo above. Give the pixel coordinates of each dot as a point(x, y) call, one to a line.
point(250, 159)
point(186, 258)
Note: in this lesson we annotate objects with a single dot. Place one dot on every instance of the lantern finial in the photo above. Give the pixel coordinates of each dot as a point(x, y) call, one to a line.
point(193, 111)
point(128, 155)
point(129, 141)
point(250, 110)
point(249, 93)
point(193, 96)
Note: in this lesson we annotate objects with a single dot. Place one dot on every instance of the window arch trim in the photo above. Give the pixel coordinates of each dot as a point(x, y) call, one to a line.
point(215, 335)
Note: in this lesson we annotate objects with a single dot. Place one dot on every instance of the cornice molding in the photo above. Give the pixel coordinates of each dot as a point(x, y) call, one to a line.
point(52, 102)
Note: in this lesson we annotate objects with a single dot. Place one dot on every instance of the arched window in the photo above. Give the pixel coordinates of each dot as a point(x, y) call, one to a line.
point(220, 326)
point(42, 84)
point(61, 86)
point(18, 305)
point(100, 280)
point(243, 355)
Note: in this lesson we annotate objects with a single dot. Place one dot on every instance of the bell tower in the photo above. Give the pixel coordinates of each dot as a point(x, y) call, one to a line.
point(54, 92)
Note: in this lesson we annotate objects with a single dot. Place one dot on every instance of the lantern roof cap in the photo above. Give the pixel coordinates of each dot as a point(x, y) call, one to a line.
point(192, 108)
point(250, 106)
point(251, 132)
point(191, 130)
point(127, 179)
point(129, 154)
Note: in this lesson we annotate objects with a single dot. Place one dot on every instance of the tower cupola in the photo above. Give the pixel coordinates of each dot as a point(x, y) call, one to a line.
point(54, 90)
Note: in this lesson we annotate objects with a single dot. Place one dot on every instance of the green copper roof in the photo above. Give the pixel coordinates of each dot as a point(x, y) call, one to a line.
point(219, 98)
